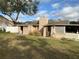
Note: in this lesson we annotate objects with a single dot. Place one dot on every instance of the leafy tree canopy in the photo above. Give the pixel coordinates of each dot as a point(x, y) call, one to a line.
point(9, 7)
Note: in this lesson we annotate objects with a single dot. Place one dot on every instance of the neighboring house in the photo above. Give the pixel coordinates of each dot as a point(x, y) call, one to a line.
point(5, 22)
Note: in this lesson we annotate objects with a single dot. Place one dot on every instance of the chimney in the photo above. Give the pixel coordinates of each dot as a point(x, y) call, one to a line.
point(42, 21)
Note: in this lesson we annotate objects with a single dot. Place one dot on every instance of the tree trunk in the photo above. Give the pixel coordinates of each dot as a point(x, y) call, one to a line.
point(17, 16)
point(14, 23)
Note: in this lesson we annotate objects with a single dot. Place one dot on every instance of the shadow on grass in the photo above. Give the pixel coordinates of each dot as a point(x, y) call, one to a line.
point(33, 49)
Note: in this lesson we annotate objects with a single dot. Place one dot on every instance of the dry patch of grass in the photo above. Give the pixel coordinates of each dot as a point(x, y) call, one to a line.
point(31, 47)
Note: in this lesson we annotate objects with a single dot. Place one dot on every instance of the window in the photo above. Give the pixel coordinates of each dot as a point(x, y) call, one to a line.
point(72, 29)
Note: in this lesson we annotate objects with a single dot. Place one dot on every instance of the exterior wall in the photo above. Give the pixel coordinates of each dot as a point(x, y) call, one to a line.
point(59, 31)
point(43, 21)
point(6, 22)
point(72, 35)
point(27, 29)
point(44, 31)
point(31, 28)
point(19, 29)
point(36, 28)
point(12, 29)
point(52, 31)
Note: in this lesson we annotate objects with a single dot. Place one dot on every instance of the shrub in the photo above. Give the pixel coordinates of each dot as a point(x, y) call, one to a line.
point(67, 39)
point(35, 33)
point(64, 38)
point(2, 30)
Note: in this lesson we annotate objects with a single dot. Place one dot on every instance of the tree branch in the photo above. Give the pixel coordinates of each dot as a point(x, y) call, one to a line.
point(13, 20)
point(10, 17)
point(17, 16)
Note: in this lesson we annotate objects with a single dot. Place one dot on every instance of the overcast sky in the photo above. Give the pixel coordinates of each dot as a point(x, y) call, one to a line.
point(55, 9)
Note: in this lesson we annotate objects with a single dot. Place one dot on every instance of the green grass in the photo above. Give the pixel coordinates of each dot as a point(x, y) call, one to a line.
point(30, 47)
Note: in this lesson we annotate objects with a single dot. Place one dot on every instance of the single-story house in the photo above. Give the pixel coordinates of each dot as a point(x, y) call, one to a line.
point(52, 30)
point(61, 30)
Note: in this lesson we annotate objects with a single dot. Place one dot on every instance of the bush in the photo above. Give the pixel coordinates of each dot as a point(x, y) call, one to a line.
point(35, 33)
point(64, 38)
point(67, 39)
point(1, 31)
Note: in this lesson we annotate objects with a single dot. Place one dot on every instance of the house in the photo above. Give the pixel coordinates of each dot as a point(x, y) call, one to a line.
point(61, 30)
point(4, 22)
point(51, 30)
point(47, 30)
point(28, 28)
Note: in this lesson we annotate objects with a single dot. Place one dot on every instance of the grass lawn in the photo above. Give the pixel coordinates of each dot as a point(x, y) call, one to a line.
point(30, 47)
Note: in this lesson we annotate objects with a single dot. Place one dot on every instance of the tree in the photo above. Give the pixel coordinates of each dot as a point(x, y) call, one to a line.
point(10, 7)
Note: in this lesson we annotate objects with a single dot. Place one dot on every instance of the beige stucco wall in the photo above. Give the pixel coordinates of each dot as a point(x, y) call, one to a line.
point(12, 29)
point(42, 21)
point(27, 29)
point(72, 36)
point(59, 31)
point(31, 28)
point(44, 31)
point(4, 21)
point(19, 29)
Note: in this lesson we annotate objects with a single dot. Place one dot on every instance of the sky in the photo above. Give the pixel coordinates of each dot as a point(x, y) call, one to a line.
point(55, 9)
